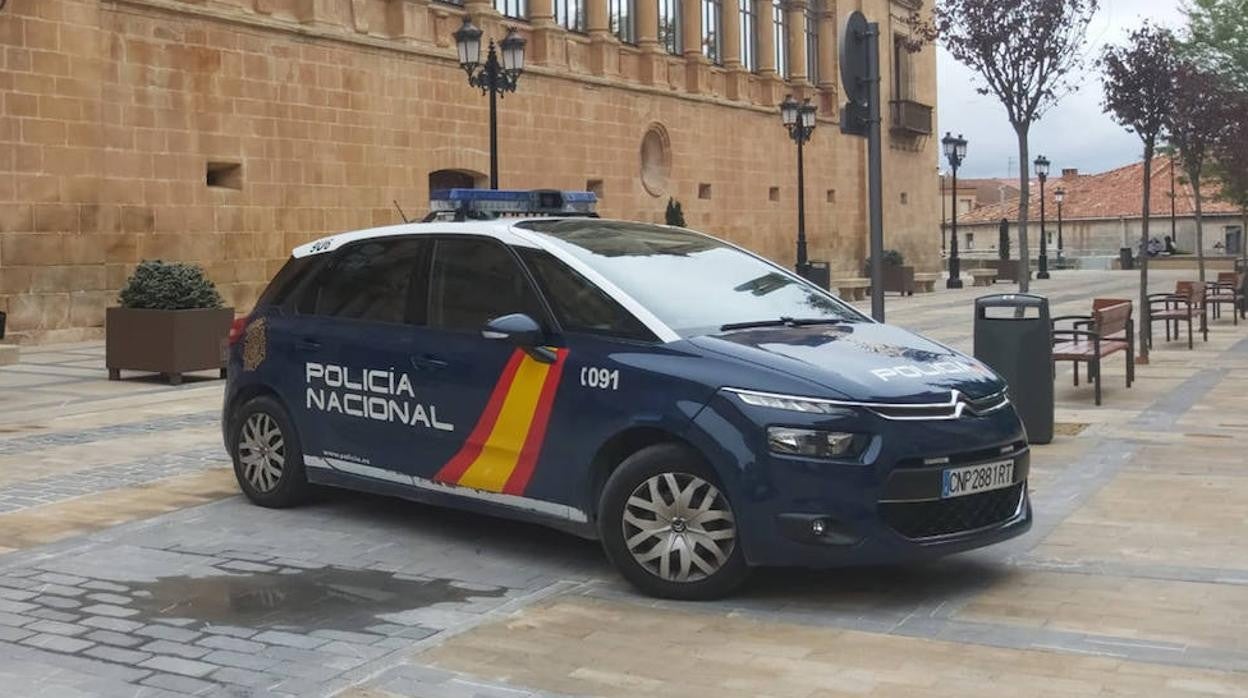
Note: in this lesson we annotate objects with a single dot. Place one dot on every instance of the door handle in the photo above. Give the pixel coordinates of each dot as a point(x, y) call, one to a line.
point(428, 362)
point(306, 344)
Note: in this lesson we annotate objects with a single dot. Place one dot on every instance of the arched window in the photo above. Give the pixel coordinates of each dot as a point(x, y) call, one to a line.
point(456, 179)
point(749, 35)
point(813, 10)
point(712, 30)
point(570, 14)
point(780, 27)
point(669, 26)
point(621, 13)
point(518, 9)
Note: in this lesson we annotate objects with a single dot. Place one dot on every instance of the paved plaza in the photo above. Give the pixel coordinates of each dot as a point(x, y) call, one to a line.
point(130, 565)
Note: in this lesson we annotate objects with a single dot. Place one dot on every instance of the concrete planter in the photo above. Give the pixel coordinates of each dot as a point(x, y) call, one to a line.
point(170, 342)
point(899, 280)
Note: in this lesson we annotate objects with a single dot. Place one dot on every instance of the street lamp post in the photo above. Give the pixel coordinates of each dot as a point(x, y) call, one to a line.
point(955, 153)
point(1059, 195)
point(494, 78)
point(799, 119)
point(1042, 173)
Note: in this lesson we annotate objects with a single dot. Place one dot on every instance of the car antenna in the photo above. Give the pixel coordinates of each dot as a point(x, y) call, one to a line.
point(401, 214)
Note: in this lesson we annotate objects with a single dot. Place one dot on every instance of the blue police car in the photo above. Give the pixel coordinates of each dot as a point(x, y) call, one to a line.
point(696, 408)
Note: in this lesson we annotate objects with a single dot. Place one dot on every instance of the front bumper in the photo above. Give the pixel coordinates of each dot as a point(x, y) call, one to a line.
point(886, 509)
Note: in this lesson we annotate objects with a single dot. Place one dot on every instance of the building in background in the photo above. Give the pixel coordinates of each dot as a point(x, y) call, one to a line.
point(225, 132)
point(1101, 214)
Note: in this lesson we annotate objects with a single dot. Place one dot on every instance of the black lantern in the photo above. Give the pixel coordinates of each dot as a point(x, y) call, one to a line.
point(955, 153)
point(1042, 174)
point(494, 78)
point(800, 119)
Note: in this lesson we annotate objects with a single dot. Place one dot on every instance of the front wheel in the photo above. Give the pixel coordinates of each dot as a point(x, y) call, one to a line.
point(268, 459)
point(668, 527)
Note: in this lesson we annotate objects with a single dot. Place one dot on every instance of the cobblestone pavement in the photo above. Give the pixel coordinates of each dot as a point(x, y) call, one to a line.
point(130, 567)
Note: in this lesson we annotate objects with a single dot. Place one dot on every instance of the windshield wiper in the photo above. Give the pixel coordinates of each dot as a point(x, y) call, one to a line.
point(785, 322)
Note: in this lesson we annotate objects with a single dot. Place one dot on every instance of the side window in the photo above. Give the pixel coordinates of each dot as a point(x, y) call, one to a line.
point(370, 280)
point(578, 304)
point(288, 278)
point(473, 281)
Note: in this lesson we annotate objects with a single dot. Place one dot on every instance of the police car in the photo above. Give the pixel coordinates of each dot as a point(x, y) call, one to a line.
point(697, 409)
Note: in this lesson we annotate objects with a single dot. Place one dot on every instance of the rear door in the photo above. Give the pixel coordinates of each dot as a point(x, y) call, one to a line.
point(358, 400)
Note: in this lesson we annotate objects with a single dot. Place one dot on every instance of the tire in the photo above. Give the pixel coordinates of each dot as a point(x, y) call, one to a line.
point(704, 559)
point(268, 458)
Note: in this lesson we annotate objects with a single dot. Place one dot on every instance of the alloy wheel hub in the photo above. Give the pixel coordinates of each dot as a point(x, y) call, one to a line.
point(679, 527)
point(262, 452)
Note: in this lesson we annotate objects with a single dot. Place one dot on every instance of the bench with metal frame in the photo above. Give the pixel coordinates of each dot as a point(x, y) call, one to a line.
point(1184, 305)
point(1108, 330)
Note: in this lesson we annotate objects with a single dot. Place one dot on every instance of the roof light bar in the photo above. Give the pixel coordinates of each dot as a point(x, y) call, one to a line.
point(482, 203)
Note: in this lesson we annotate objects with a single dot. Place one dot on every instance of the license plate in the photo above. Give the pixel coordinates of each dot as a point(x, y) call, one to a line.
point(959, 482)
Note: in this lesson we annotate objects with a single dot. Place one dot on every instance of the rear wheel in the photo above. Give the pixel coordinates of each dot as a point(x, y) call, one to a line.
point(669, 528)
point(268, 460)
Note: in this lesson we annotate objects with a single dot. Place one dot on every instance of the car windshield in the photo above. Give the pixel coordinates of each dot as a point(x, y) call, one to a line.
point(694, 283)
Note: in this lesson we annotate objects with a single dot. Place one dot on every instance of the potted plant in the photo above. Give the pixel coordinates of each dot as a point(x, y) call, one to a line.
point(898, 278)
point(171, 321)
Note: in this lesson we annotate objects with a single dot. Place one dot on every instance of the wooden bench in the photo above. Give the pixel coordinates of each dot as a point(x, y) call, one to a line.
point(1184, 305)
point(1109, 329)
point(851, 289)
point(1227, 290)
point(983, 277)
point(926, 283)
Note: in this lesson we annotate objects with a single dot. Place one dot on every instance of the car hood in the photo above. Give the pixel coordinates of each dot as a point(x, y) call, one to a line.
point(863, 361)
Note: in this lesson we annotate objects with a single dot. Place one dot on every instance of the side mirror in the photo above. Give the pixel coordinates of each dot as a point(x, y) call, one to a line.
point(517, 328)
point(521, 331)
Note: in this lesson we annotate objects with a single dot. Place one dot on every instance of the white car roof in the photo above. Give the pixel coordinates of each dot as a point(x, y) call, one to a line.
point(499, 229)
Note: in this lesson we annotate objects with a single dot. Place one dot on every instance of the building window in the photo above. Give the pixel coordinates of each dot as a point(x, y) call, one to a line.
point(970, 241)
point(712, 30)
point(780, 27)
point(749, 35)
point(518, 9)
point(621, 16)
point(569, 14)
point(902, 74)
point(669, 26)
point(812, 41)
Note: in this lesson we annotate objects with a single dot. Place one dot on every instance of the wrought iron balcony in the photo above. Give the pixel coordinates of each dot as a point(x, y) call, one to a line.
point(911, 118)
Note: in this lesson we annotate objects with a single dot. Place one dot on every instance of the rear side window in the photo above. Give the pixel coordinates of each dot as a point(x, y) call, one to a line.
point(288, 278)
point(473, 281)
point(578, 304)
point(371, 281)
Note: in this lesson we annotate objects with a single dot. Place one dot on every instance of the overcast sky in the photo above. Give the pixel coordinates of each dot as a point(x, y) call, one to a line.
point(1075, 133)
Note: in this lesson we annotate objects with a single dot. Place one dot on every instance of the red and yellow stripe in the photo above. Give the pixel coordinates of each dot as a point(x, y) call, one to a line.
point(501, 452)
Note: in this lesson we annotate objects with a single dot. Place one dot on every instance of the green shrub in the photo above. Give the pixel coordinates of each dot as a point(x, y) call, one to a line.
point(675, 214)
point(156, 285)
point(892, 258)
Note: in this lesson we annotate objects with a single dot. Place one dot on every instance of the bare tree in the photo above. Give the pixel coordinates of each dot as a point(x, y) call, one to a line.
point(1139, 88)
point(1198, 120)
point(1025, 52)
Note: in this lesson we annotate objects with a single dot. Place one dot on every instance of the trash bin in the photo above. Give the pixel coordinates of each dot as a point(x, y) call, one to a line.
point(819, 273)
point(1014, 336)
point(1125, 258)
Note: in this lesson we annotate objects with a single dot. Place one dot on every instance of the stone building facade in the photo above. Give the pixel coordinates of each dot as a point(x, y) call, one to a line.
point(225, 132)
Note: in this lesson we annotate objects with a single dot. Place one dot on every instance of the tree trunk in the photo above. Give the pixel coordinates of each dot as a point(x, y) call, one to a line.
point(1024, 208)
point(1200, 230)
point(1143, 317)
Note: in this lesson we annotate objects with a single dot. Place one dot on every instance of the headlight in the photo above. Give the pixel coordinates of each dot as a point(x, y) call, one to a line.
point(811, 443)
point(794, 404)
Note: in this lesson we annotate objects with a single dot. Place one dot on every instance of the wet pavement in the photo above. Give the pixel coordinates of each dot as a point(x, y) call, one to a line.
point(129, 566)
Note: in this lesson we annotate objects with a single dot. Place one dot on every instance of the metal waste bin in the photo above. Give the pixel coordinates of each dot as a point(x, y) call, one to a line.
point(1125, 258)
point(1014, 336)
point(819, 273)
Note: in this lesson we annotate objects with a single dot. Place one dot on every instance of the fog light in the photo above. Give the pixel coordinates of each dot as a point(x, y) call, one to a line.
point(818, 527)
point(810, 442)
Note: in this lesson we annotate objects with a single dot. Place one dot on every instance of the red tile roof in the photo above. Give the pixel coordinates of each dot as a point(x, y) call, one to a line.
point(1111, 195)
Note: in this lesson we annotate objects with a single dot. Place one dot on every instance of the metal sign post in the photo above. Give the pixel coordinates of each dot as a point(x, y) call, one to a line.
point(860, 76)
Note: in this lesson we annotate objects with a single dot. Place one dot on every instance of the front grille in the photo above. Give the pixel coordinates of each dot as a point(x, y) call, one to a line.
point(942, 517)
point(961, 457)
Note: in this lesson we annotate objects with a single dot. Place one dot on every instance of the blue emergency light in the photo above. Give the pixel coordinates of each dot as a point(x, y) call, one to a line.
point(489, 203)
